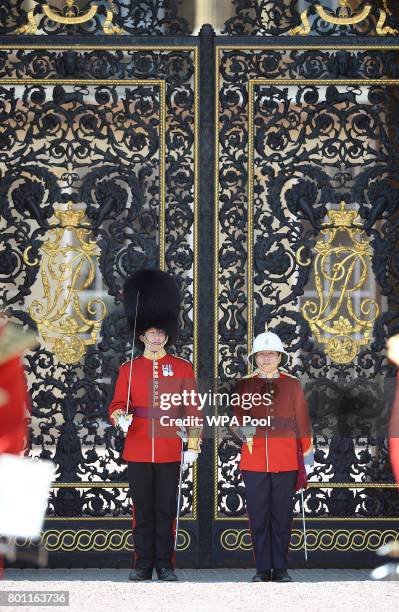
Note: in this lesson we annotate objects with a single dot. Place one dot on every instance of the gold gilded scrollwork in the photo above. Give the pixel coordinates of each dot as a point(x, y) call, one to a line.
point(67, 269)
point(381, 29)
point(302, 29)
point(340, 270)
point(344, 16)
point(30, 27)
point(71, 15)
point(109, 27)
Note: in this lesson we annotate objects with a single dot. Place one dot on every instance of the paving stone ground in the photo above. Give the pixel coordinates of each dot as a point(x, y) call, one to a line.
point(214, 590)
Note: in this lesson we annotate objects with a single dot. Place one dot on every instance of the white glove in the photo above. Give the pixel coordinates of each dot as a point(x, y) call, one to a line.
point(189, 457)
point(125, 421)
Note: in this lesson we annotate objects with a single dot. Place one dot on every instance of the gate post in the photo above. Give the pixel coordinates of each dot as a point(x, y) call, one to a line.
point(205, 277)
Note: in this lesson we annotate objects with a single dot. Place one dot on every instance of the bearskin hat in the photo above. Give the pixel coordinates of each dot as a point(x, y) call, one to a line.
point(158, 303)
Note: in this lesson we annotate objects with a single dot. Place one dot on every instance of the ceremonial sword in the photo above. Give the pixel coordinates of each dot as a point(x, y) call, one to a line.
point(304, 526)
point(183, 437)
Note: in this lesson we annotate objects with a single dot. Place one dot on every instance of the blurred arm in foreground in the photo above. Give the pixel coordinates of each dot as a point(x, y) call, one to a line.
point(393, 355)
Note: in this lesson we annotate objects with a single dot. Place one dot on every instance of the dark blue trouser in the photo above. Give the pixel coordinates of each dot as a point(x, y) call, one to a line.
point(270, 505)
point(153, 488)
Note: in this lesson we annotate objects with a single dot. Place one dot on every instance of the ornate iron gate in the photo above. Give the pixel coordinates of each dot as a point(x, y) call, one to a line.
point(247, 164)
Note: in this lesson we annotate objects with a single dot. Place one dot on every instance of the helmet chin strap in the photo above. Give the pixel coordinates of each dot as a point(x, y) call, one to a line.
point(269, 372)
point(151, 346)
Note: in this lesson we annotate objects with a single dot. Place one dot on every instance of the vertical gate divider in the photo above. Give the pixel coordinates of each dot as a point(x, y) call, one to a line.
point(205, 281)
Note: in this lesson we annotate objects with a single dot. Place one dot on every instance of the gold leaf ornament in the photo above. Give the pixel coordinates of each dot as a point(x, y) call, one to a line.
point(70, 14)
point(340, 269)
point(344, 16)
point(67, 269)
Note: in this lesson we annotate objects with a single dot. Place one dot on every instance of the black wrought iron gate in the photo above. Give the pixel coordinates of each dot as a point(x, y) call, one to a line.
point(219, 159)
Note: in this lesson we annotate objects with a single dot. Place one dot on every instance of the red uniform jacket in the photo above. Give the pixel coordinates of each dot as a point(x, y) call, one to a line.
point(14, 402)
point(14, 398)
point(394, 434)
point(148, 438)
point(275, 447)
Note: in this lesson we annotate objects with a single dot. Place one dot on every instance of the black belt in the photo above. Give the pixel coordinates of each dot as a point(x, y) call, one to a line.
point(280, 423)
point(144, 412)
point(277, 422)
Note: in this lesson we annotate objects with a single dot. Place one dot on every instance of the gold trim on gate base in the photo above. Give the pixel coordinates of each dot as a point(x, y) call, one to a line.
point(311, 485)
point(340, 540)
point(93, 540)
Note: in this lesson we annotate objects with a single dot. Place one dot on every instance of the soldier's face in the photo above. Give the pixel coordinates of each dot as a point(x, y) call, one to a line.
point(154, 337)
point(268, 359)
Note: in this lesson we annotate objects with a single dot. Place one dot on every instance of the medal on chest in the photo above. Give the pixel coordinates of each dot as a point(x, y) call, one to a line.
point(167, 369)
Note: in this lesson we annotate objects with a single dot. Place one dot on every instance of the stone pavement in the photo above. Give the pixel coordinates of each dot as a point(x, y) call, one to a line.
point(217, 590)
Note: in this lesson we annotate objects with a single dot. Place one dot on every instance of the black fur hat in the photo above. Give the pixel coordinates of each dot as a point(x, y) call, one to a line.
point(158, 303)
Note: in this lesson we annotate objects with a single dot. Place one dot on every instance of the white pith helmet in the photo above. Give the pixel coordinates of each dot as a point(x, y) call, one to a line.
point(268, 341)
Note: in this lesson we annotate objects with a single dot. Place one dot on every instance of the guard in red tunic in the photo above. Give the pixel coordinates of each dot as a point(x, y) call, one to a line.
point(14, 398)
point(275, 425)
point(153, 448)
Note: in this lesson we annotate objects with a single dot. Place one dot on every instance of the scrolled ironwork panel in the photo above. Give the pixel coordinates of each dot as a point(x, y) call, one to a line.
point(285, 62)
point(289, 151)
point(122, 152)
point(94, 17)
point(298, 17)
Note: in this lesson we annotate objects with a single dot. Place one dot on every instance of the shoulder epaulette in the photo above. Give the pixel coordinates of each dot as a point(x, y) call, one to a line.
point(289, 375)
point(129, 360)
point(182, 358)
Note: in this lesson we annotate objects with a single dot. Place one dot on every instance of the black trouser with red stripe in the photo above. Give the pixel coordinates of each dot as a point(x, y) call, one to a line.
point(270, 506)
point(153, 489)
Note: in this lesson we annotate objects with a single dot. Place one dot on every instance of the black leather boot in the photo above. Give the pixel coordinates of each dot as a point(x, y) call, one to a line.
point(140, 574)
point(280, 575)
point(262, 576)
point(166, 574)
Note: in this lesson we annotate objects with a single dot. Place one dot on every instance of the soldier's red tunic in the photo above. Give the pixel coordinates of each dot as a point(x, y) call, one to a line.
point(147, 440)
point(275, 447)
point(14, 399)
point(14, 402)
